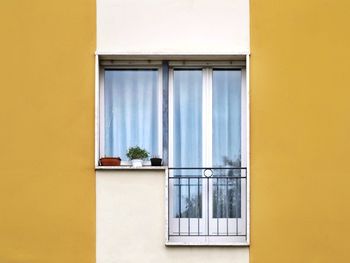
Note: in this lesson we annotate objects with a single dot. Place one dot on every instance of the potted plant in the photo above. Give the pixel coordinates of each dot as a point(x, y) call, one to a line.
point(156, 161)
point(110, 161)
point(137, 155)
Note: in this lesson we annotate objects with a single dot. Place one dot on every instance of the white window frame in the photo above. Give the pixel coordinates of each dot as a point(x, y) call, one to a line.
point(207, 111)
point(106, 65)
point(207, 68)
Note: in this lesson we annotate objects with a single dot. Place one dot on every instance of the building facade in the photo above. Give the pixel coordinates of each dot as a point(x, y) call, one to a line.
point(239, 98)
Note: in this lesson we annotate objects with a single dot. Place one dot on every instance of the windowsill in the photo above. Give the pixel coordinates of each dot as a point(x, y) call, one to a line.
point(211, 244)
point(128, 167)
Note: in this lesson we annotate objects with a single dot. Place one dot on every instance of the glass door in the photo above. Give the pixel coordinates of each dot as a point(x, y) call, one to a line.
point(227, 212)
point(207, 150)
point(186, 120)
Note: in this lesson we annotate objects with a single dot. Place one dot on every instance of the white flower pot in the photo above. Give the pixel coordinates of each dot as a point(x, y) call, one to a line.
point(136, 163)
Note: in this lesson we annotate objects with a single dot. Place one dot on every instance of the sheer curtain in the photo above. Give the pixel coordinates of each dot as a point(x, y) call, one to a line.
point(227, 141)
point(187, 118)
point(226, 117)
point(131, 111)
point(226, 122)
point(187, 141)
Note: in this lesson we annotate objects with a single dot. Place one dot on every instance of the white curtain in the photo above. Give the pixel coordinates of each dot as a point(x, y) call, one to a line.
point(131, 110)
point(188, 139)
point(187, 118)
point(226, 117)
point(227, 141)
point(226, 122)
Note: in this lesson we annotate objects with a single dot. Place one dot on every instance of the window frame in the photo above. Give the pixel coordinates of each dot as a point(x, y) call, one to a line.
point(208, 69)
point(101, 132)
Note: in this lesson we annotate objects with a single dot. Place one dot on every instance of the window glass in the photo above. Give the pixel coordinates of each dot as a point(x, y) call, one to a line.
point(187, 141)
point(187, 118)
point(131, 111)
point(226, 139)
point(226, 117)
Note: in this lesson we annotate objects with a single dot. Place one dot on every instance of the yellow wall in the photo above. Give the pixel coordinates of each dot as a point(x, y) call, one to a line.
point(299, 140)
point(300, 121)
point(47, 188)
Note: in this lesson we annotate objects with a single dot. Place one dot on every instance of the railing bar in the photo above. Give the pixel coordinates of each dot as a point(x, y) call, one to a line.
point(187, 175)
point(198, 206)
point(217, 208)
point(179, 207)
point(189, 198)
point(195, 177)
point(227, 204)
point(208, 204)
point(246, 215)
point(168, 206)
point(224, 235)
point(188, 180)
point(236, 207)
point(211, 168)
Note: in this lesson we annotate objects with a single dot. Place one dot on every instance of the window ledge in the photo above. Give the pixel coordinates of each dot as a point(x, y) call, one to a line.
point(127, 167)
point(211, 244)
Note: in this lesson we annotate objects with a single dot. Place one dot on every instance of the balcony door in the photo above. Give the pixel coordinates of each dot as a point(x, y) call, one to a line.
point(186, 218)
point(207, 130)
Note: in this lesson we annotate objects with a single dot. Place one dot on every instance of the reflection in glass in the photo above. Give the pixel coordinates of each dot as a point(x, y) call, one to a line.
point(227, 142)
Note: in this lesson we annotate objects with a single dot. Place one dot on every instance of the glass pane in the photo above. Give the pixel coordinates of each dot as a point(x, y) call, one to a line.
point(131, 111)
point(226, 197)
point(187, 141)
point(227, 141)
point(187, 197)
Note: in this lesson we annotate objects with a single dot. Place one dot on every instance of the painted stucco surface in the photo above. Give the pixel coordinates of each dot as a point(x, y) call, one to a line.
point(130, 212)
point(173, 27)
point(47, 188)
point(300, 126)
point(299, 131)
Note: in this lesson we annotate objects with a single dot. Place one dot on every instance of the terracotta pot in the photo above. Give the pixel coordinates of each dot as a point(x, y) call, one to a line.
point(156, 161)
point(110, 161)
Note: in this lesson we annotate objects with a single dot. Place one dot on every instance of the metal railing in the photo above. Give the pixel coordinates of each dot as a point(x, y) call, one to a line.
point(207, 202)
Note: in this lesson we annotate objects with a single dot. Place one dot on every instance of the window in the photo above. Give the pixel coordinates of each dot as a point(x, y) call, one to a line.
point(207, 179)
point(206, 117)
point(201, 109)
point(130, 110)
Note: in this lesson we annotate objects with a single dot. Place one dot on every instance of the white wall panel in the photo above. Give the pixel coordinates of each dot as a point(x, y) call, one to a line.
point(130, 222)
point(173, 26)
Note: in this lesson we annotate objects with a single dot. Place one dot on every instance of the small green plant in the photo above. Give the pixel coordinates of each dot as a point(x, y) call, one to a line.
point(137, 153)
